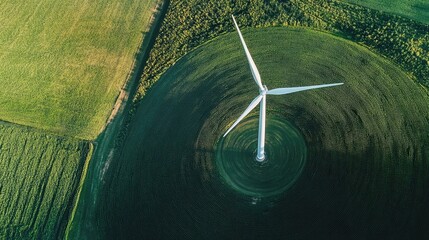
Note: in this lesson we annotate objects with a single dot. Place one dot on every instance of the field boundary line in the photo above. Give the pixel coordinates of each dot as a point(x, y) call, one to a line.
point(105, 143)
point(130, 85)
point(79, 188)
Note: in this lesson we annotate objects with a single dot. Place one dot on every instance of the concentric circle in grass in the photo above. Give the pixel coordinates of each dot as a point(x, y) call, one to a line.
point(362, 172)
point(285, 158)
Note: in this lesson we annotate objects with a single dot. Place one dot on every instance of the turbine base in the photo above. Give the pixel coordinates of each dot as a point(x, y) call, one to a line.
point(260, 158)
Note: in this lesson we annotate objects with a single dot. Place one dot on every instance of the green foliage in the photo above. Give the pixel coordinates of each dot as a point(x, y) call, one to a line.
point(404, 41)
point(187, 24)
point(39, 174)
point(62, 64)
point(414, 9)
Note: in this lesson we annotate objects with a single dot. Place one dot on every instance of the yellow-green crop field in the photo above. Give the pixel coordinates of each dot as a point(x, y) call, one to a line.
point(39, 175)
point(62, 67)
point(63, 63)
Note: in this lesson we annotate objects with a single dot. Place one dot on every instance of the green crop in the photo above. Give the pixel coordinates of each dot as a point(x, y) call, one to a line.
point(39, 175)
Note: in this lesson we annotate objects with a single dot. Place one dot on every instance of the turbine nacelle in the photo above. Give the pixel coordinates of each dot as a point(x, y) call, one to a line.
point(263, 91)
point(261, 98)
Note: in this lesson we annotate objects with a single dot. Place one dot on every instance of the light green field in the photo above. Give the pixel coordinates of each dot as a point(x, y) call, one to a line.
point(63, 63)
point(39, 175)
point(414, 9)
point(366, 170)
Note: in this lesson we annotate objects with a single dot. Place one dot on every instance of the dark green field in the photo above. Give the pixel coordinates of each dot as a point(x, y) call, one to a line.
point(366, 174)
point(39, 176)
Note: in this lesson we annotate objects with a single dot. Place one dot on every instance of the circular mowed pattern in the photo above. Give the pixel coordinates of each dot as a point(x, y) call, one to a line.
point(235, 158)
point(364, 153)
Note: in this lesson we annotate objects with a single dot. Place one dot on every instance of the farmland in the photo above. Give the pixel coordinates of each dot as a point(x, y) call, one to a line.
point(414, 9)
point(364, 172)
point(62, 67)
point(367, 158)
point(62, 64)
point(187, 25)
point(39, 176)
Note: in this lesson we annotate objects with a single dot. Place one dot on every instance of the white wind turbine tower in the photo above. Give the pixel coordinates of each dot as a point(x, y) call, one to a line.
point(263, 91)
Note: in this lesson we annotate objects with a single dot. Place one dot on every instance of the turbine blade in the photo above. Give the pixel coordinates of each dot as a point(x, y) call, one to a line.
point(281, 91)
point(255, 72)
point(252, 105)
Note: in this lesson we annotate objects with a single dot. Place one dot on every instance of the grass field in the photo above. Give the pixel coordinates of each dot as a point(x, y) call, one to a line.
point(39, 175)
point(62, 64)
point(366, 172)
point(415, 9)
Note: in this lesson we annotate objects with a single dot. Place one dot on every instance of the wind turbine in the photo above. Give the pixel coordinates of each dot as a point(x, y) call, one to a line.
point(261, 98)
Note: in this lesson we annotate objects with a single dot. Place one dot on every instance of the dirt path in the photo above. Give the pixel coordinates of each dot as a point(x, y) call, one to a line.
point(84, 223)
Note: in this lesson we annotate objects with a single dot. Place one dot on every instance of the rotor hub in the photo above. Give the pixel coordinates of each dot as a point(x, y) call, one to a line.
point(263, 91)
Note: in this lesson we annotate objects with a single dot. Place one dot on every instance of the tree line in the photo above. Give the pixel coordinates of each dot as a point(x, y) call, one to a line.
point(189, 23)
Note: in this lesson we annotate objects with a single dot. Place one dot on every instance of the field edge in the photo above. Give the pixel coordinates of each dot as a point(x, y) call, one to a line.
point(112, 134)
point(79, 189)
